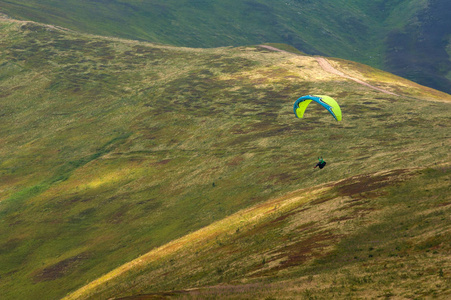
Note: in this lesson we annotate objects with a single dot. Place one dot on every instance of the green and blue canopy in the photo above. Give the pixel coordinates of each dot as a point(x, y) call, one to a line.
point(327, 102)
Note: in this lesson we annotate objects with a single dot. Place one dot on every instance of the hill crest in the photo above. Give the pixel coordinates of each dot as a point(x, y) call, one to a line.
point(378, 33)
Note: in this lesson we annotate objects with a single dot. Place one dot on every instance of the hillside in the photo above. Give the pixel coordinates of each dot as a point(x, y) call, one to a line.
point(112, 148)
point(362, 237)
point(406, 37)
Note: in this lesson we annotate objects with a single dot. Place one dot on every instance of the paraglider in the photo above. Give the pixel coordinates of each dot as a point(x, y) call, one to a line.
point(327, 102)
point(300, 105)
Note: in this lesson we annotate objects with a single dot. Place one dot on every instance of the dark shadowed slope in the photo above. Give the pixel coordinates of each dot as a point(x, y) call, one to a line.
point(421, 50)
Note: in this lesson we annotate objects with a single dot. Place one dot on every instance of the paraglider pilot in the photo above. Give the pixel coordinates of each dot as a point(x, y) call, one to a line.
point(320, 164)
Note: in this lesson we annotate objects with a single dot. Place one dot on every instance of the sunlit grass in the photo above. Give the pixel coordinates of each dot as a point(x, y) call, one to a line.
point(204, 238)
point(385, 79)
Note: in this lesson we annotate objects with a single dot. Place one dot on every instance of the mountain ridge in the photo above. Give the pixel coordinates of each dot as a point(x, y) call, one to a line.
point(326, 66)
point(406, 37)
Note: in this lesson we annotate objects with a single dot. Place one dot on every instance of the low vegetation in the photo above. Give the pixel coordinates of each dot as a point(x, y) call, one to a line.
point(113, 148)
point(406, 37)
point(362, 237)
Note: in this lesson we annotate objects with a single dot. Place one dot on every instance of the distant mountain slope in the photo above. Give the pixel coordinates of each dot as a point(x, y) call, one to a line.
point(111, 148)
point(407, 37)
point(421, 50)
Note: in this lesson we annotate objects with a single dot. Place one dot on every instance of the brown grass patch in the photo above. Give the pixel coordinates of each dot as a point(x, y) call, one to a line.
point(60, 269)
point(366, 183)
point(297, 253)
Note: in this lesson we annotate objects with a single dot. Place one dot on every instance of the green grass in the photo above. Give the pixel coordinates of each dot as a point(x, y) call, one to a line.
point(374, 235)
point(111, 148)
point(225, 23)
point(380, 33)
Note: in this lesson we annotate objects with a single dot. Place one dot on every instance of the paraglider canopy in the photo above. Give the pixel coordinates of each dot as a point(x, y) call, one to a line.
point(327, 102)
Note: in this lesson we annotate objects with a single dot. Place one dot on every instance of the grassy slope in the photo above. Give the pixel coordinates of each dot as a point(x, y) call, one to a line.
point(111, 148)
point(376, 235)
point(341, 28)
point(418, 51)
point(405, 37)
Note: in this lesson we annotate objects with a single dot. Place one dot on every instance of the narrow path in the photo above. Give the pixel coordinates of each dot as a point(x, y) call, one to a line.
point(275, 49)
point(326, 66)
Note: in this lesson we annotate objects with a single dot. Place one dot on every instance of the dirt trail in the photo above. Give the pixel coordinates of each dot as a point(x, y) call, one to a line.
point(275, 49)
point(326, 66)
